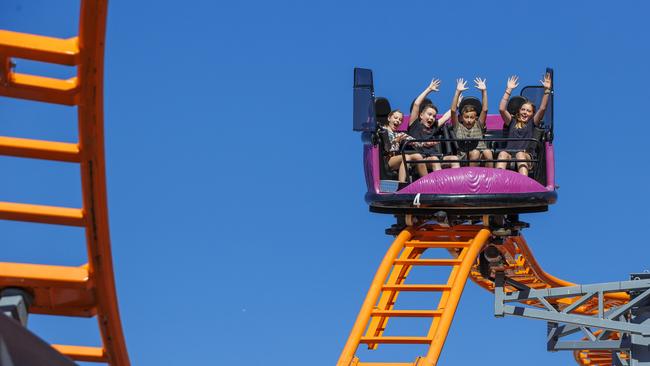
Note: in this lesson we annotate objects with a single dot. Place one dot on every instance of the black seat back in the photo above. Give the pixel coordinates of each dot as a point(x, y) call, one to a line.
point(382, 110)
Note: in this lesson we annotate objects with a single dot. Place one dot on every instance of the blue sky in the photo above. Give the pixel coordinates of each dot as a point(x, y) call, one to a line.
point(239, 230)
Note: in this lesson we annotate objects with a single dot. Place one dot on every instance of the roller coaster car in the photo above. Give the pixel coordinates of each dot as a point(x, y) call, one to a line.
point(465, 190)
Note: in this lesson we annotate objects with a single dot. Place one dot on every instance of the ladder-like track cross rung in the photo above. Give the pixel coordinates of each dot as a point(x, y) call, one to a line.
point(436, 244)
point(57, 290)
point(42, 89)
point(14, 274)
point(39, 48)
point(407, 313)
point(384, 364)
point(39, 149)
point(416, 287)
point(82, 353)
point(42, 214)
point(396, 340)
point(429, 262)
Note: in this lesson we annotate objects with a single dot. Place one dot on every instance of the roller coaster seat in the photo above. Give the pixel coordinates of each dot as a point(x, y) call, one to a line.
point(382, 110)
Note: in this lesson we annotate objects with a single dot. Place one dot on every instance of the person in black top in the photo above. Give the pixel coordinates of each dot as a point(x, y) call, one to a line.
point(423, 125)
point(520, 126)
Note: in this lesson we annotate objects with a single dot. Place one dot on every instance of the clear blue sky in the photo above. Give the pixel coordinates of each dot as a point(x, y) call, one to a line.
point(239, 230)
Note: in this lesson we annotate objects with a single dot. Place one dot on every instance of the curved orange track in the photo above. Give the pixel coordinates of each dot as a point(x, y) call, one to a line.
point(87, 290)
point(463, 244)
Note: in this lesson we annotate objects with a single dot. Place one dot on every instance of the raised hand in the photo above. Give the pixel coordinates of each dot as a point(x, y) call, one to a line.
point(546, 81)
point(460, 99)
point(480, 84)
point(513, 82)
point(435, 85)
point(461, 85)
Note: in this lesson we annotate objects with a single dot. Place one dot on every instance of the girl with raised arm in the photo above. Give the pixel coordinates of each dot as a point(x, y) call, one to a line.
point(426, 125)
point(394, 140)
point(520, 126)
point(465, 124)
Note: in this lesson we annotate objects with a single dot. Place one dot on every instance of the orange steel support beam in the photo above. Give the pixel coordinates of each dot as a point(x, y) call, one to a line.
point(371, 298)
point(389, 280)
point(454, 297)
point(42, 214)
point(74, 291)
point(39, 48)
point(39, 149)
point(78, 353)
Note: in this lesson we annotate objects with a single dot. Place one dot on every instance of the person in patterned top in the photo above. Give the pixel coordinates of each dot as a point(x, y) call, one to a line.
point(392, 149)
point(469, 124)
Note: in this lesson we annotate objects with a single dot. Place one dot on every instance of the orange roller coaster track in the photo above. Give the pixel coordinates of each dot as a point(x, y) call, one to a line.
point(87, 290)
point(463, 243)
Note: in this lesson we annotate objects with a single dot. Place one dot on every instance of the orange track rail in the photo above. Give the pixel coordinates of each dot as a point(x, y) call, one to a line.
point(87, 290)
point(464, 244)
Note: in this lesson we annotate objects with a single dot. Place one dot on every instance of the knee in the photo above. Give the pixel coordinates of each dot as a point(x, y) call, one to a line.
point(432, 158)
point(487, 154)
point(521, 155)
point(504, 155)
point(474, 154)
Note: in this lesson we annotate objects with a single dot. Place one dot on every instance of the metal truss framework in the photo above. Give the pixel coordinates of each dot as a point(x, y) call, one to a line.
point(623, 330)
point(86, 290)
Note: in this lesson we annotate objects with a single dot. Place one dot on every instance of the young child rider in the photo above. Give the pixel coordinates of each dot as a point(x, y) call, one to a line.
point(465, 124)
point(393, 155)
point(426, 125)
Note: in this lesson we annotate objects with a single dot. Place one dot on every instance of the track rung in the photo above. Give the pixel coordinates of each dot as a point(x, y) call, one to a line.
point(384, 364)
point(57, 290)
point(82, 353)
point(416, 287)
point(39, 149)
point(42, 214)
point(41, 89)
point(23, 274)
point(429, 262)
point(436, 244)
point(39, 48)
point(395, 340)
point(407, 313)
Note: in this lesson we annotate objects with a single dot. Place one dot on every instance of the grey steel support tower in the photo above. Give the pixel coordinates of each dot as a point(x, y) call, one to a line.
point(630, 321)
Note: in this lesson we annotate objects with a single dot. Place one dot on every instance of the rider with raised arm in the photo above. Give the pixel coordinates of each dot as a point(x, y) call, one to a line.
point(426, 125)
point(519, 125)
point(465, 124)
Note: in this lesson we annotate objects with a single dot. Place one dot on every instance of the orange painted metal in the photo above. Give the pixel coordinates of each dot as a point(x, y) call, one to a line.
point(39, 149)
point(522, 266)
point(57, 290)
point(42, 214)
point(39, 48)
point(446, 318)
point(464, 243)
point(79, 353)
point(88, 290)
point(371, 298)
point(405, 252)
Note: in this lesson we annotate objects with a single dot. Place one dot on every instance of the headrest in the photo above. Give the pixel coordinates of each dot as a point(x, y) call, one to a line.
point(515, 103)
point(425, 102)
point(382, 107)
point(382, 110)
point(471, 101)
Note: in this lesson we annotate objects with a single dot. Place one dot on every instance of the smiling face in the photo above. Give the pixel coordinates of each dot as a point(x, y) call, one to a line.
point(395, 120)
point(526, 111)
point(428, 116)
